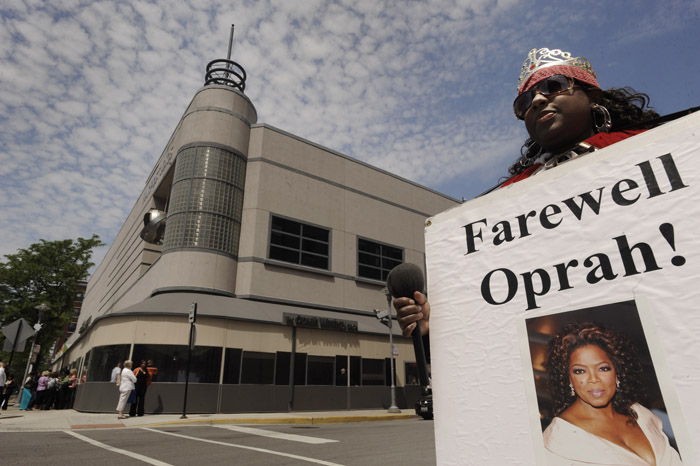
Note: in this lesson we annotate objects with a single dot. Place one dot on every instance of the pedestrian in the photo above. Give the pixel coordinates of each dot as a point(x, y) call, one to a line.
point(26, 393)
point(128, 379)
point(52, 389)
point(62, 395)
point(34, 384)
point(9, 389)
point(41, 387)
point(143, 379)
point(152, 370)
point(70, 397)
point(116, 373)
point(3, 376)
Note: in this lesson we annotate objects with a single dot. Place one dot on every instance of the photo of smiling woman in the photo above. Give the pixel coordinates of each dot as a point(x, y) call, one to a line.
point(595, 380)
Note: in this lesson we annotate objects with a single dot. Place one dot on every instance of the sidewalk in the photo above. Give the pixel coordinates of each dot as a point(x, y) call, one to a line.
point(14, 420)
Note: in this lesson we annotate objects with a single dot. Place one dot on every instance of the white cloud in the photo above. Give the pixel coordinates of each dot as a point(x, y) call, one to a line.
point(90, 92)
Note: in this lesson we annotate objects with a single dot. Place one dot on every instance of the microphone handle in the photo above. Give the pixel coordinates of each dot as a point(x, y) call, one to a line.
point(421, 363)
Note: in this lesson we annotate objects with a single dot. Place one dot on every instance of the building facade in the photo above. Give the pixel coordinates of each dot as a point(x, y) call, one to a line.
point(283, 245)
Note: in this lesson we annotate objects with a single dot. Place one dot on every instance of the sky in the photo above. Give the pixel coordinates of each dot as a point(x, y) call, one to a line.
point(90, 91)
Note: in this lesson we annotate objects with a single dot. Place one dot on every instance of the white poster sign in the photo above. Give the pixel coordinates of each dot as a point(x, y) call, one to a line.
point(610, 238)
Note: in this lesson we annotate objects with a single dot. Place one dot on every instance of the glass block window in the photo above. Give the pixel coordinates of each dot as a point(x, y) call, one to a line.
point(206, 200)
point(375, 260)
point(299, 243)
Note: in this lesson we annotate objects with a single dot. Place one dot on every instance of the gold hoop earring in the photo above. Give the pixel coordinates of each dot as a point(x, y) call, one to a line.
point(606, 125)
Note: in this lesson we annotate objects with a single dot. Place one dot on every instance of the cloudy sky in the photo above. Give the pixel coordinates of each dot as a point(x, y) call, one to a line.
point(91, 91)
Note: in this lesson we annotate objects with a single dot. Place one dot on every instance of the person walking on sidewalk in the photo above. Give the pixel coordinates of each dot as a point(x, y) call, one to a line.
point(9, 390)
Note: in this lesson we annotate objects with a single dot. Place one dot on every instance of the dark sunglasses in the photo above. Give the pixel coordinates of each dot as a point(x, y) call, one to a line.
point(554, 85)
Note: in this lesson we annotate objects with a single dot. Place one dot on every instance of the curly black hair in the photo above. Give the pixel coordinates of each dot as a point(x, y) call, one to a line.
point(618, 348)
point(627, 107)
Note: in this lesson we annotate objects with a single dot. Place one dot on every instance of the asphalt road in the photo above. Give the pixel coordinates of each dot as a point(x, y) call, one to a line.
point(392, 443)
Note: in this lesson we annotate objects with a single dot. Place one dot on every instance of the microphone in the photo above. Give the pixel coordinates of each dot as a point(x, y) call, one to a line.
point(402, 282)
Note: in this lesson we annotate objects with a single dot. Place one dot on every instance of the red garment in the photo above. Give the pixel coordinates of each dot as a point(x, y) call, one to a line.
point(598, 141)
point(152, 371)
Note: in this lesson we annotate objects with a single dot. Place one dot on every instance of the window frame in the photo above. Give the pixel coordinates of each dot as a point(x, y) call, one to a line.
point(302, 238)
point(383, 272)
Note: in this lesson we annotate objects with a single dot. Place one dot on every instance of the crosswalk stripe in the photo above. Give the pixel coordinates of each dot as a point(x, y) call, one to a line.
point(143, 458)
point(245, 447)
point(277, 435)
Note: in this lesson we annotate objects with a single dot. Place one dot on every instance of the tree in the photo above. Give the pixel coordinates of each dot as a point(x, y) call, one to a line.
point(46, 272)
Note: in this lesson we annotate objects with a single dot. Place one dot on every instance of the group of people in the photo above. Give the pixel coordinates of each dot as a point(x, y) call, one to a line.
point(594, 378)
point(49, 390)
point(133, 386)
point(41, 390)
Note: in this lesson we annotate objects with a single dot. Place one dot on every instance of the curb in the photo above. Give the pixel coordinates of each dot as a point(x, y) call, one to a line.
point(285, 420)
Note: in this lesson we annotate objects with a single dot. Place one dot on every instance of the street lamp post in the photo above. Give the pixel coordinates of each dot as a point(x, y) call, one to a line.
point(385, 318)
point(41, 309)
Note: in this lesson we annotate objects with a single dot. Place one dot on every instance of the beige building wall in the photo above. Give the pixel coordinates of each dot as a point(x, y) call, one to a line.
point(251, 336)
point(132, 268)
point(297, 179)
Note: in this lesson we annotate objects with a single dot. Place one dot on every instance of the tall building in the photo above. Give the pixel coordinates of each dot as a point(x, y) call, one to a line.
point(283, 245)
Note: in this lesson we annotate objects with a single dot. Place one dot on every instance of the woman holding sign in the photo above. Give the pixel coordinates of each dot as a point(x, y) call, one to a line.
point(595, 380)
point(567, 115)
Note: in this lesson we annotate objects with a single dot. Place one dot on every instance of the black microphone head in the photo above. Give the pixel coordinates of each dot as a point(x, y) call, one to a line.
point(404, 280)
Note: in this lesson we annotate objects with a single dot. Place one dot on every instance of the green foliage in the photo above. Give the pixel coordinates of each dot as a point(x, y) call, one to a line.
point(46, 272)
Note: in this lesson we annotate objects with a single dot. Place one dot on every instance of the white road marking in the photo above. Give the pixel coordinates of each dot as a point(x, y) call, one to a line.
point(145, 459)
point(277, 435)
point(244, 447)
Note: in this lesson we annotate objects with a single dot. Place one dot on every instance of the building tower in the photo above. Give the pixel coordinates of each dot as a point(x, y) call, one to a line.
point(205, 201)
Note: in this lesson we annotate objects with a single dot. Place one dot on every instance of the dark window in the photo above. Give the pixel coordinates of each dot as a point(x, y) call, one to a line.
point(411, 373)
point(171, 362)
point(372, 371)
point(375, 260)
point(299, 243)
point(355, 371)
point(283, 365)
point(232, 365)
point(320, 370)
point(341, 371)
point(103, 359)
point(258, 368)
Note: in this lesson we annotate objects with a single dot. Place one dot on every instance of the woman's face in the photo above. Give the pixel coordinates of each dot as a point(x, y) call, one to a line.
point(592, 375)
point(559, 122)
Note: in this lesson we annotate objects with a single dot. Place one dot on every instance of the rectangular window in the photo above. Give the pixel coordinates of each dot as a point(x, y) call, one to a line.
point(283, 365)
point(375, 260)
point(171, 362)
point(320, 370)
point(411, 373)
point(372, 371)
point(258, 368)
point(232, 365)
point(299, 243)
point(341, 371)
point(103, 359)
point(355, 371)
